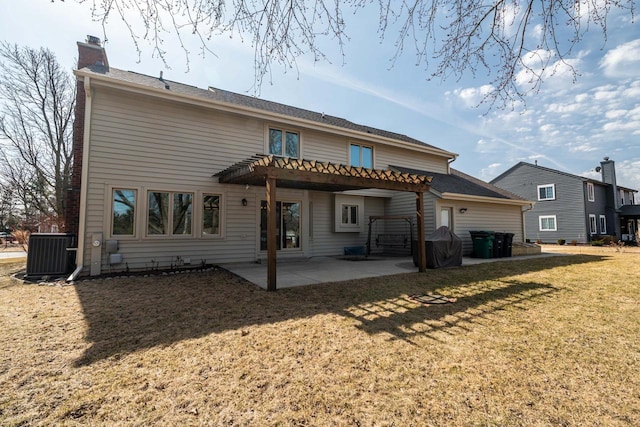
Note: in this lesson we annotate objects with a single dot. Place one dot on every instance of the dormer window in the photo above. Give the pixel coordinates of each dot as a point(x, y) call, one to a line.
point(284, 143)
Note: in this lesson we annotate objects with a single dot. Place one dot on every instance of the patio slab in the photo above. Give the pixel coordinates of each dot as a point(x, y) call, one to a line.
point(310, 271)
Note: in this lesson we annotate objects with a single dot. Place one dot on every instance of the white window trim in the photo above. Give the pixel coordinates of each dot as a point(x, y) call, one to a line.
point(603, 221)
point(555, 222)
point(591, 192)
point(145, 220)
point(593, 222)
point(553, 186)
point(360, 144)
point(349, 223)
point(283, 129)
point(344, 199)
point(622, 197)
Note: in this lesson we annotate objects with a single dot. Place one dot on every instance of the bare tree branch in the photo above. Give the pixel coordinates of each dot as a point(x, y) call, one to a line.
point(458, 36)
point(37, 99)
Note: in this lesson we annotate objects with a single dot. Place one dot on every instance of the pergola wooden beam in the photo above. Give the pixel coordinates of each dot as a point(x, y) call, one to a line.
point(273, 170)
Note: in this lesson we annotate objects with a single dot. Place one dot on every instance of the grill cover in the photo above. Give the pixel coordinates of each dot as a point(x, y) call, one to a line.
point(444, 249)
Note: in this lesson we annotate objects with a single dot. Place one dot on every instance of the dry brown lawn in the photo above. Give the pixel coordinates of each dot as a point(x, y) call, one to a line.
point(544, 342)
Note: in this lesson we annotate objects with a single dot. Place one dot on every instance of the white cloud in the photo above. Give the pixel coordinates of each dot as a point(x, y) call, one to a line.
point(622, 61)
point(473, 96)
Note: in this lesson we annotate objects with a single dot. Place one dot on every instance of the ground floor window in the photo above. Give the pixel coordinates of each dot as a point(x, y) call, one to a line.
point(211, 214)
point(287, 225)
point(603, 224)
point(349, 215)
point(548, 223)
point(169, 213)
point(593, 229)
point(123, 212)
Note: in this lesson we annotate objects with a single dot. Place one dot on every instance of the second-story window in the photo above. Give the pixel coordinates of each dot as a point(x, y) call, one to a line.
point(547, 192)
point(284, 143)
point(361, 155)
point(591, 192)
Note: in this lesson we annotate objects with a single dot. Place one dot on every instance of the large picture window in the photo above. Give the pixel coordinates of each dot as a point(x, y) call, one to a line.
point(284, 143)
point(169, 214)
point(547, 192)
point(548, 223)
point(123, 212)
point(361, 156)
point(211, 214)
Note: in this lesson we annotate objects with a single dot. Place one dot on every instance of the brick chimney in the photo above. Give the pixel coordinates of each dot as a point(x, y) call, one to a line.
point(90, 53)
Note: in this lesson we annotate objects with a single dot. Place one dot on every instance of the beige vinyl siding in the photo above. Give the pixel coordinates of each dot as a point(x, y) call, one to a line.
point(143, 143)
point(484, 216)
point(387, 155)
point(325, 241)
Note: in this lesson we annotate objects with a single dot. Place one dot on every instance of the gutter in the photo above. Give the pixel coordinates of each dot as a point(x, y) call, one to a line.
point(83, 181)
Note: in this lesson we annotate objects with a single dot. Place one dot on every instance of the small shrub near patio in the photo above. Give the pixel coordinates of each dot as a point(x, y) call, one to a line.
point(562, 242)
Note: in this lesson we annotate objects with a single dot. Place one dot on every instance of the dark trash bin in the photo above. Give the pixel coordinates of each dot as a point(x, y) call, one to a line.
point(482, 244)
point(498, 245)
point(443, 249)
point(508, 244)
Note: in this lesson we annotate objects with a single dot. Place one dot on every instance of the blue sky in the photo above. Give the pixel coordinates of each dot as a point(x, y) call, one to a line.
point(568, 125)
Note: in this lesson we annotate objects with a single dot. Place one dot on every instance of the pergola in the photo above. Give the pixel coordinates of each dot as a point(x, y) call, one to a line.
point(286, 172)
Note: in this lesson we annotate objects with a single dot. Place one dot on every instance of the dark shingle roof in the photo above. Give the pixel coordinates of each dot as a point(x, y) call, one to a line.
point(460, 183)
point(220, 95)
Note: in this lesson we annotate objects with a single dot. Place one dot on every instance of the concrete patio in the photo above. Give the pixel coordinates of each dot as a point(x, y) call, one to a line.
point(309, 271)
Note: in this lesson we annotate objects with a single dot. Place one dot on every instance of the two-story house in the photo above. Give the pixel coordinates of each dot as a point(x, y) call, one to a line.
point(166, 171)
point(572, 207)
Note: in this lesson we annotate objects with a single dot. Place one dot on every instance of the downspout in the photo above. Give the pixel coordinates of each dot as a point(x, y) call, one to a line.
point(524, 210)
point(83, 181)
point(451, 160)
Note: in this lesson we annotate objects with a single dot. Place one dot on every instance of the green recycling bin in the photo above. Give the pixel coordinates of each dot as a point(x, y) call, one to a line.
point(482, 243)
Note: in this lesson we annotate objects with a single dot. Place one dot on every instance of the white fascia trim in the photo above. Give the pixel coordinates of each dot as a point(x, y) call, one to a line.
point(484, 199)
point(254, 112)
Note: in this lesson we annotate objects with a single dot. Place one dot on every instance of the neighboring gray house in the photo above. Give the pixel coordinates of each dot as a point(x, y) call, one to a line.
point(165, 171)
point(572, 207)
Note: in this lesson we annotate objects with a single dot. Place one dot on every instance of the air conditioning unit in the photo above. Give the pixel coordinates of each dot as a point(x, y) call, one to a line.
point(50, 255)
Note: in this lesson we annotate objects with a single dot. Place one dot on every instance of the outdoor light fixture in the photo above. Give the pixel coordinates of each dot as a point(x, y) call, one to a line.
point(244, 202)
point(463, 210)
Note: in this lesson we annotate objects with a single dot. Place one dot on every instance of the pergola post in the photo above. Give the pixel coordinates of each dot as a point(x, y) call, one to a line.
point(272, 244)
point(422, 256)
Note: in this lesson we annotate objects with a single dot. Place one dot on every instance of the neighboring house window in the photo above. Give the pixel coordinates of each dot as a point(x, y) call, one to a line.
point(349, 215)
point(211, 214)
point(603, 224)
point(124, 212)
point(169, 213)
point(621, 197)
point(592, 224)
point(361, 155)
point(547, 192)
point(284, 143)
point(591, 192)
point(548, 223)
